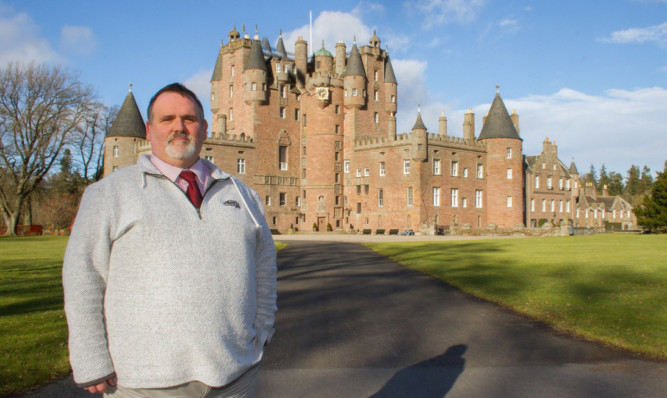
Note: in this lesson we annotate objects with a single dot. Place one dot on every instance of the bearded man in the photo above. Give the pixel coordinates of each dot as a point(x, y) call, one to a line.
point(170, 271)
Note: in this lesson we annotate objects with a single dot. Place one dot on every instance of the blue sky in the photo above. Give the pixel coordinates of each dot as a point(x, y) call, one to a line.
point(590, 75)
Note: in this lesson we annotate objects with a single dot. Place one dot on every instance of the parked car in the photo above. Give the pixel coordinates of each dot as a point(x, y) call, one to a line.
point(407, 232)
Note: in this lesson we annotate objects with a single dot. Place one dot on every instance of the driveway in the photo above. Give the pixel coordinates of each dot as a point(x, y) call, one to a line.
point(352, 323)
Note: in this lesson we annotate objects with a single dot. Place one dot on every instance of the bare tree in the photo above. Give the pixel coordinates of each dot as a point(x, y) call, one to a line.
point(88, 142)
point(40, 107)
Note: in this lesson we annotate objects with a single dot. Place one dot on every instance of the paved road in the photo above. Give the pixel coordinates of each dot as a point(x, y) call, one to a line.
point(353, 324)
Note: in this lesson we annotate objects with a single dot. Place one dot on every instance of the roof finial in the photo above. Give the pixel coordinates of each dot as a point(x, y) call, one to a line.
point(497, 89)
point(130, 86)
point(442, 113)
point(281, 33)
point(419, 108)
point(355, 39)
point(322, 43)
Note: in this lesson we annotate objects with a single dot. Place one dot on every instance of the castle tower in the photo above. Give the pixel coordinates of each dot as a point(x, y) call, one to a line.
point(469, 125)
point(354, 81)
point(419, 139)
point(284, 65)
point(390, 88)
point(121, 141)
point(504, 189)
point(301, 61)
point(255, 75)
point(442, 124)
point(340, 58)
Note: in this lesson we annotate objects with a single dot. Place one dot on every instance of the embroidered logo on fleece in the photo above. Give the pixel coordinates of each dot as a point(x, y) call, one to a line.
point(232, 203)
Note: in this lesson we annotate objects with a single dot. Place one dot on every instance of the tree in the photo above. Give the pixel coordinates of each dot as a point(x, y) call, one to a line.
point(604, 178)
point(615, 184)
point(89, 141)
point(591, 176)
point(40, 108)
point(652, 213)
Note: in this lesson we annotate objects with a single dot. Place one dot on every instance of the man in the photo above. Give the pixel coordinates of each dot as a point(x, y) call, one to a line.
point(170, 285)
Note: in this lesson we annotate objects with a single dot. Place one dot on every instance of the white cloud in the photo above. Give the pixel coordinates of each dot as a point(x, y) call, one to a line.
point(438, 12)
point(656, 34)
point(200, 84)
point(20, 40)
point(332, 26)
point(78, 40)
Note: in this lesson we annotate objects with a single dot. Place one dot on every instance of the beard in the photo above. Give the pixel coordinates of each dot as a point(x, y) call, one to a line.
point(180, 150)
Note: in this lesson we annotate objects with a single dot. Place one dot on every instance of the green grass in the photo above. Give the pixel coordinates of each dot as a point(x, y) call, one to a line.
point(33, 329)
point(606, 288)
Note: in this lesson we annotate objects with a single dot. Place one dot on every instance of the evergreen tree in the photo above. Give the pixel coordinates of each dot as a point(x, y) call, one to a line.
point(652, 214)
point(615, 185)
point(632, 181)
point(591, 176)
point(604, 179)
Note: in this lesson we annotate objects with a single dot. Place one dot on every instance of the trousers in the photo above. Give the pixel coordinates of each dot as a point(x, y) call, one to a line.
point(242, 387)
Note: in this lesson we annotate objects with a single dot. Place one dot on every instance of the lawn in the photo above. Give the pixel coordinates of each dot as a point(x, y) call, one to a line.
point(606, 288)
point(33, 329)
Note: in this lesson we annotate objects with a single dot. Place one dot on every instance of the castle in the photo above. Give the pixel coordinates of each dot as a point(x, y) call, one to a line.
point(316, 138)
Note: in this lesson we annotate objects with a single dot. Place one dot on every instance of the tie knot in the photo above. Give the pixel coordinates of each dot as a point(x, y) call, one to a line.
point(189, 176)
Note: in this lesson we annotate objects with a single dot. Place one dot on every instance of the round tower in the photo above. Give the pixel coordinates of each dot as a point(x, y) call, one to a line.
point(442, 124)
point(340, 58)
point(354, 81)
point(469, 125)
point(419, 139)
point(390, 88)
point(120, 144)
point(504, 178)
point(255, 75)
point(301, 61)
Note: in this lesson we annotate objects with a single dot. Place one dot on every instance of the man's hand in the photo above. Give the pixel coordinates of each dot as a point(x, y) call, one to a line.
point(102, 387)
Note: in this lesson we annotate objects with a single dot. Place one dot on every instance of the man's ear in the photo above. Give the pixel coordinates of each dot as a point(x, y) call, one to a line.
point(148, 131)
point(205, 129)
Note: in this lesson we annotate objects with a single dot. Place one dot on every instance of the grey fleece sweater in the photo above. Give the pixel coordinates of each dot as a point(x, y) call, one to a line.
point(162, 294)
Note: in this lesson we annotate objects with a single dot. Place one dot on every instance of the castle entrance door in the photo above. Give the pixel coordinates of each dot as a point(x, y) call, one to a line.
point(321, 224)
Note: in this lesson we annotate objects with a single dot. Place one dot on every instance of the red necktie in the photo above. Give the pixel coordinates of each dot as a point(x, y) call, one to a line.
point(193, 188)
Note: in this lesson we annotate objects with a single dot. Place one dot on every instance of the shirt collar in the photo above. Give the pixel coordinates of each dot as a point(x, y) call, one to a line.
point(173, 172)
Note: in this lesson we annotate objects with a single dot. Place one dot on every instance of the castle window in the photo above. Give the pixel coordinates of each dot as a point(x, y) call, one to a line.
point(358, 208)
point(297, 203)
point(567, 206)
point(209, 158)
point(283, 91)
point(455, 168)
point(509, 174)
point(115, 151)
point(366, 189)
point(240, 166)
point(114, 168)
point(537, 182)
point(436, 196)
point(367, 172)
point(544, 205)
point(380, 198)
point(358, 189)
point(253, 86)
point(337, 129)
point(464, 202)
point(317, 65)
point(465, 172)
point(393, 99)
point(304, 120)
point(286, 68)
point(296, 114)
point(509, 153)
point(549, 186)
point(509, 201)
point(436, 167)
point(478, 199)
point(532, 205)
point(560, 184)
point(376, 118)
point(376, 95)
point(375, 75)
point(337, 177)
point(455, 197)
point(263, 86)
point(232, 71)
point(267, 200)
point(544, 165)
point(282, 112)
point(282, 157)
point(553, 205)
point(278, 67)
point(231, 114)
point(409, 196)
point(358, 172)
point(346, 166)
point(480, 170)
point(346, 93)
point(274, 220)
point(231, 91)
point(406, 166)
point(354, 92)
point(560, 206)
point(382, 169)
point(337, 108)
point(283, 199)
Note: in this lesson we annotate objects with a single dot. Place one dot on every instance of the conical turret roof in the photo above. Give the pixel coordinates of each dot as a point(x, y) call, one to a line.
point(355, 67)
point(498, 122)
point(280, 48)
point(573, 169)
point(256, 57)
point(389, 76)
point(419, 124)
point(129, 122)
point(266, 46)
point(217, 69)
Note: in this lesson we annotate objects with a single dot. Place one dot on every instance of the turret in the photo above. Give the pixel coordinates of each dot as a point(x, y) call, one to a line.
point(442, 124)
point(283, 67)
point(121, 141)
point(255, 75)
point(419, 139)
point(390, 88)
point(391, 126)
point(234, 34)
point(301, 61)
point(323, 60)
point(354, 81)
point(469, 125)
point(215, 82)
point(515, 120)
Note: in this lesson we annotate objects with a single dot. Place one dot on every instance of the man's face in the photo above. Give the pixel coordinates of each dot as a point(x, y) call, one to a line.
point(175, 131)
